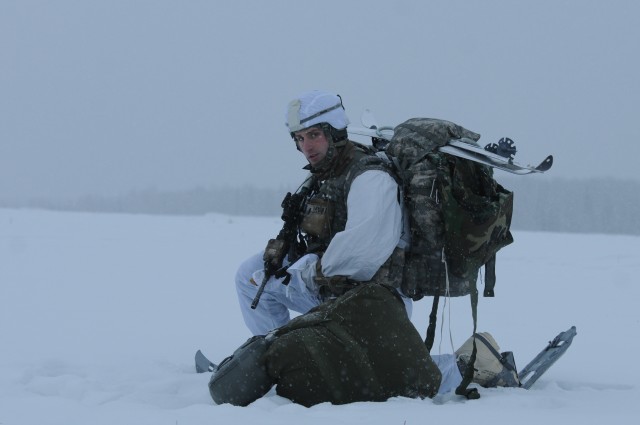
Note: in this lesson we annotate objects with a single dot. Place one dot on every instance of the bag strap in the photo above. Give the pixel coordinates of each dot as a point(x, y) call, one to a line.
point(490, 277)
point(495, 352)
point(467, 377)
point(433, 318)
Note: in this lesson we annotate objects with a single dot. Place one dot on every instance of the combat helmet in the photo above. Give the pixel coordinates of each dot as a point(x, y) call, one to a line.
point(322, 109)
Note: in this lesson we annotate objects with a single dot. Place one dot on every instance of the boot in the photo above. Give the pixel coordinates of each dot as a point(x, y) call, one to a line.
point(491, 368)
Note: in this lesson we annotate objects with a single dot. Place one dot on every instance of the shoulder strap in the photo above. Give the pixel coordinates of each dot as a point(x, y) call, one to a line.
point(433, 318)
point(467, 377)
point(495, 352)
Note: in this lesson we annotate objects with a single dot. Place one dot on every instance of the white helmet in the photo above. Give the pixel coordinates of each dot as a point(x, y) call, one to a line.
point(315, 107)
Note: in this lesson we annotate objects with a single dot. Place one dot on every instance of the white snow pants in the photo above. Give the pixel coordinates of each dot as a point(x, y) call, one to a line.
point(278, 300)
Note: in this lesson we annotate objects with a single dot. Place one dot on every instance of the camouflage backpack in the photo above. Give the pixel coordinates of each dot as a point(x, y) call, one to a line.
point(459, 216)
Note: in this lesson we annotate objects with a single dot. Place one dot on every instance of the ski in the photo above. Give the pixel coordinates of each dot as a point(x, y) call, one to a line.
point(499, 160)
point(467, 150)
point(477, 154)
point(203, 364)
point(546, 358)
point(385, 133)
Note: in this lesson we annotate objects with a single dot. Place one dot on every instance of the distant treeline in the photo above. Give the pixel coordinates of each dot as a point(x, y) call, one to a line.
point(247, 200)
point(583, 206)
point(555, 205)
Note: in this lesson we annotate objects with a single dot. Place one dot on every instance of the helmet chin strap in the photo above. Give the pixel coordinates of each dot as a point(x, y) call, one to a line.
point(337, 138)
point(333, 135)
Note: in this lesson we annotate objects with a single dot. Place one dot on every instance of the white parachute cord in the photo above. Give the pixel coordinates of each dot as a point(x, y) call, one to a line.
point(447, 303)
point(434, 192)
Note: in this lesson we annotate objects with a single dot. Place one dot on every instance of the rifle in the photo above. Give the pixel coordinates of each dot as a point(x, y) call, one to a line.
point(287, 242)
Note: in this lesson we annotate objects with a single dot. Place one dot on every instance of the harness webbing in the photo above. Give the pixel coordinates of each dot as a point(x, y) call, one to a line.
point(467, 377)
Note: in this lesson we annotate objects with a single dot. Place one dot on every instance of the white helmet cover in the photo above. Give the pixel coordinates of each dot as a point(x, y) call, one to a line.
point(316, 107)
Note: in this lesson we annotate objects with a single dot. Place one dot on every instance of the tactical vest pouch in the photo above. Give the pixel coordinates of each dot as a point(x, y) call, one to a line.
point(331, 287)
point(275, 252)
point(317, 218)
point(390, 273)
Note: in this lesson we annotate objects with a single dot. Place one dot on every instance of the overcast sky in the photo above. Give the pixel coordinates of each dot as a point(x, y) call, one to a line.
point(103, 97)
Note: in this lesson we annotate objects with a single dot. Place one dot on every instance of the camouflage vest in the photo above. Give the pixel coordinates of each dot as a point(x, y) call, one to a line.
point(325, 211)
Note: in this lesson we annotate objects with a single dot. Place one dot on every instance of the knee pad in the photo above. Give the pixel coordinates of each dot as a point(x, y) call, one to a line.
point(242, 377)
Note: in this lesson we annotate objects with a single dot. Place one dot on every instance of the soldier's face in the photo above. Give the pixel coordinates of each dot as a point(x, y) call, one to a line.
point(313, 144)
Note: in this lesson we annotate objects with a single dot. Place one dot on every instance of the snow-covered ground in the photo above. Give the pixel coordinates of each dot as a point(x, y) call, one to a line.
point(100, 316)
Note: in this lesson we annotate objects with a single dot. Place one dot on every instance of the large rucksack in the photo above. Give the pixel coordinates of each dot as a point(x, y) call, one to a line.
point(360, 346)
point(459, 216)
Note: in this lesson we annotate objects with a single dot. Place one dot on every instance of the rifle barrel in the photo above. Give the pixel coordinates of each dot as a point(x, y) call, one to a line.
point(256, 299)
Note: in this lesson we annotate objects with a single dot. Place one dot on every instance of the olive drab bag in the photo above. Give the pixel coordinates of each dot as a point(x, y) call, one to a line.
point(360, 346)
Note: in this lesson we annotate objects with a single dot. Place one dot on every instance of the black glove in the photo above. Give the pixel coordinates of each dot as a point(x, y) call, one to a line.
point(274, 253)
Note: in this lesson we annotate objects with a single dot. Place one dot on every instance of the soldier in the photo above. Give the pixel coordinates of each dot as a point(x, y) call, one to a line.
point(351, 226)
point(354, 340)
point(340, 264)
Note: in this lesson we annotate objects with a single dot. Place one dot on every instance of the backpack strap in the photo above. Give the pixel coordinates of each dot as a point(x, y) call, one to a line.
point(467, 377)
point(433, 318)
point(490, 277)
point(507, 365)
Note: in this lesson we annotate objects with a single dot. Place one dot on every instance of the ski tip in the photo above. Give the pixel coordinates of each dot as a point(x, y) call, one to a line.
point(546, 164)
point(197, 358)
point(563, 338)
point(571, 332)
point(203, 364)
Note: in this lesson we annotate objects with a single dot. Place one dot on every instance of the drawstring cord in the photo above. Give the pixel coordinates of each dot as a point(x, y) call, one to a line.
point(447, 296)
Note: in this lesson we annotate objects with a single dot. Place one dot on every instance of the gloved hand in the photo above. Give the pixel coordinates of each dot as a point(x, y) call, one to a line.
point(274, 253)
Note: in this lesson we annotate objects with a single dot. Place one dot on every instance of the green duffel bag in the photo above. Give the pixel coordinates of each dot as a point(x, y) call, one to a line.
point(359, 347)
